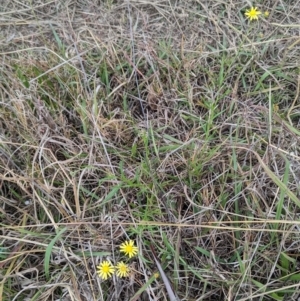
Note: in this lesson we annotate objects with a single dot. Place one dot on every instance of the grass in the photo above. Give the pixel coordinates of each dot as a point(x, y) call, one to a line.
point(175, 125)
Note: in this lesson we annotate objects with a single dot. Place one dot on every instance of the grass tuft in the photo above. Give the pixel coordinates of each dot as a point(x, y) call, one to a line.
point(175, 126)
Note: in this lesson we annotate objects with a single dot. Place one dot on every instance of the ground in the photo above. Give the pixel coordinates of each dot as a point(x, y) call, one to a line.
point(170, 126)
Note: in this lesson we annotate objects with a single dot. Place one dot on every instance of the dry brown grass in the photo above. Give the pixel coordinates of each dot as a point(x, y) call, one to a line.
point(172, 123)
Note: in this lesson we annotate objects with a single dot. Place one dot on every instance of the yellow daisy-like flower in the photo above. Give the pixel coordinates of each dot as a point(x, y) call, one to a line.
point(122, 269)
point(105, 270)
point(129, 248)
point(252, 13)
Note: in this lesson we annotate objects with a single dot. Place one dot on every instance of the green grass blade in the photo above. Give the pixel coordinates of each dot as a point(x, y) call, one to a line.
point(49, 251)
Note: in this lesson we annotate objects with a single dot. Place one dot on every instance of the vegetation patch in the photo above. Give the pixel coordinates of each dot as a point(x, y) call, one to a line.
point(149, 150)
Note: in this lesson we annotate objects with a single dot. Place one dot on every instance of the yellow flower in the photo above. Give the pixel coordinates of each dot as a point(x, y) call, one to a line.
point(156, 275)
point(252, 13)
point(122, 269)
point(266, 14)
point(128, 248)
point(105, 270)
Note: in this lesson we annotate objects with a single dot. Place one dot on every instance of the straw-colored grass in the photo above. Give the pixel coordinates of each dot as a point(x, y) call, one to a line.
point(174, 124)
